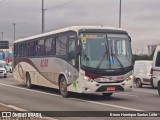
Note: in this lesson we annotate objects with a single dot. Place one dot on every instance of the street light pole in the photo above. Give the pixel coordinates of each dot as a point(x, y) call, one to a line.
point(2, 39)
point(14, 25)
point(42, 16)
point(120, 14)
point(2, 35)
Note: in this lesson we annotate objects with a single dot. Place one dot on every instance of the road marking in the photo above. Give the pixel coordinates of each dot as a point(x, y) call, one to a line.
point(93, 102)
point(29, 89)
point(16, 108)
point(110, 105)
point(20, 109)
point(126, 94)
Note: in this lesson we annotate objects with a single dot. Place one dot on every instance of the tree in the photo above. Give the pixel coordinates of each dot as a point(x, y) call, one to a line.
point(141, 57)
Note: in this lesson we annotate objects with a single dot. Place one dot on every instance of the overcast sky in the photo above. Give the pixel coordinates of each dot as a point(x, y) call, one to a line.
point(141, 18)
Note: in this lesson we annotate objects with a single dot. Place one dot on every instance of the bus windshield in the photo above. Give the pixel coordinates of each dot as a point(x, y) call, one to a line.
point(105, 51)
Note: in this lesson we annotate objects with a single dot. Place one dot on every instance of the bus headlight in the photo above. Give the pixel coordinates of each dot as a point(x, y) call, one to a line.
point(130, 78)
point(88, 79)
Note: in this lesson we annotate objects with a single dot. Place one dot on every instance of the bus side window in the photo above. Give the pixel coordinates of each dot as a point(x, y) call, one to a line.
point(40, 48)
point(15, 50)
point(24, 49)
point(18, 50)
point(48, 46)
point(31, 48)
point(61, 44)
point(28, 51)
point(53, 46)
point(72, 52)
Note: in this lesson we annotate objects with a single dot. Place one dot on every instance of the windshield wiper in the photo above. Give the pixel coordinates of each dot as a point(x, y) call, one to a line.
point(99, 64)
point(114, 55)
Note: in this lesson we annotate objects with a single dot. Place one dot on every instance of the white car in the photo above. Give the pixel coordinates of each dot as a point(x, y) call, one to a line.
point(3, 71)
point(155, 81)
point(3, 63)
point(141, 72)
point(7, 66)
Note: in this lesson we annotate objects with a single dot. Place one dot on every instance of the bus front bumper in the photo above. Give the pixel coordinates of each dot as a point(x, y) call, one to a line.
point(94, 87)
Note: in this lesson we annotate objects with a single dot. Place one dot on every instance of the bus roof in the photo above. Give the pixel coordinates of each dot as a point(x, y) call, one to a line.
point(72, 28)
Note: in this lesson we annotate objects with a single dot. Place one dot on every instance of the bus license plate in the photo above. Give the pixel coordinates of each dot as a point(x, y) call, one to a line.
point(111, 89)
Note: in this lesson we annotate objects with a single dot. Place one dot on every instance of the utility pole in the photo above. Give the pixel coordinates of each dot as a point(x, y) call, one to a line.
point(14, 25)
point(43, 21)
point(2, 39)
point(120, 14)
point(2, 35)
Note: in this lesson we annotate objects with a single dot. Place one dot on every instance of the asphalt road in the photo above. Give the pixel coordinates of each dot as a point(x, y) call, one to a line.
point(15, 93)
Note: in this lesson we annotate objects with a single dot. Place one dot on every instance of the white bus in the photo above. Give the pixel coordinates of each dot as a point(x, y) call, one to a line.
point(81, 59)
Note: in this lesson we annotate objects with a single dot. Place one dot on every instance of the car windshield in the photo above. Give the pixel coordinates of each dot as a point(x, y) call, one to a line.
point(105, 51)
point(1, 66)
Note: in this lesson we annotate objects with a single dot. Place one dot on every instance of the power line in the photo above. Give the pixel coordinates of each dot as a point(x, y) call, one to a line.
point(61, 5)
point(38, 14)
point(32, 18)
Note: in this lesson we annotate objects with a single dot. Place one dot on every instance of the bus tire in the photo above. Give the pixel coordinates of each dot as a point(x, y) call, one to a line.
point(159, 87)
point(107, 94)
point(138, 83)
point(63, 87)
point(28, 81)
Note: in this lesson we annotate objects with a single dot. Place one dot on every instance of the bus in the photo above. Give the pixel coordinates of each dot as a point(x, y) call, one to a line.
point(80, 59)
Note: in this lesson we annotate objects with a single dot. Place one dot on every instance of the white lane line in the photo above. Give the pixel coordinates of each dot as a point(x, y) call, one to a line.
point(16, 108)
point(110, 105)
point(20, 109)
point(127, 94)
point(93, 102)
point(29, 90)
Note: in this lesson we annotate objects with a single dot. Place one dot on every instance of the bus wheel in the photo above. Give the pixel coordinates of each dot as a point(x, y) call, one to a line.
point(63, 87)
point(159, 87)
point(107, 94)
point(138, 83)
point(28, 81)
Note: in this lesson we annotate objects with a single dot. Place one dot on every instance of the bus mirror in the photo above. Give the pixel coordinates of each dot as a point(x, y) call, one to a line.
point(129, 38)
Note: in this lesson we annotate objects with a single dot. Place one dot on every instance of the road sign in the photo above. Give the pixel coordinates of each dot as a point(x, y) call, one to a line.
point(4, 44)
